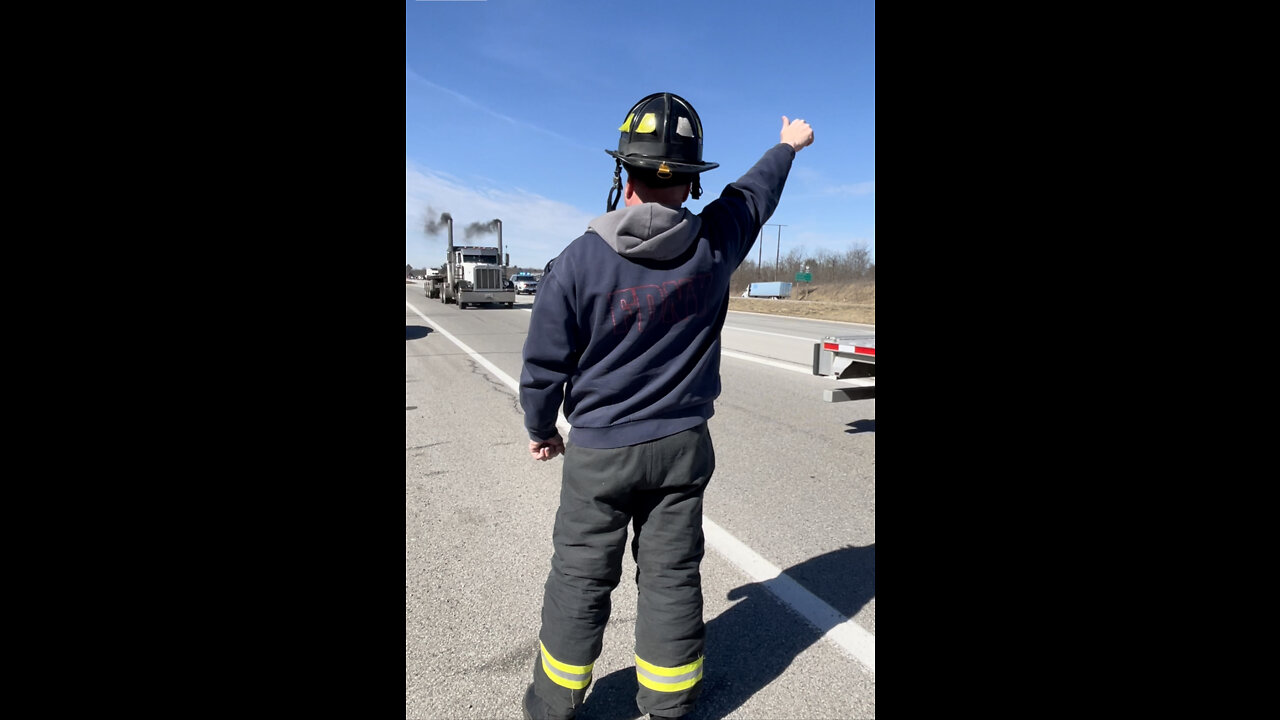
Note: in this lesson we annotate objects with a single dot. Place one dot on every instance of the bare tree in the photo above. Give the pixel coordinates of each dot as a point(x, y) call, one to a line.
point(826, 266)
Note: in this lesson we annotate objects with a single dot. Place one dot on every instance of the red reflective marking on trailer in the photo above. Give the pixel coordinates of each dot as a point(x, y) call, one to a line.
point(864, 351)
point(830, 346)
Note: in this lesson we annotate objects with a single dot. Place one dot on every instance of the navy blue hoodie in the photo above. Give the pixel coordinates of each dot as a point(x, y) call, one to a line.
point(626, 324)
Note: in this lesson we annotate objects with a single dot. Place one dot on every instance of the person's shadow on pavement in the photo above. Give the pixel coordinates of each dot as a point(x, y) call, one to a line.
point(752, 643)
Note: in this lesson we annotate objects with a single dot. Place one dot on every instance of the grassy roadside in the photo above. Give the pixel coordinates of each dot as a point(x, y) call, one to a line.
point(854, 303)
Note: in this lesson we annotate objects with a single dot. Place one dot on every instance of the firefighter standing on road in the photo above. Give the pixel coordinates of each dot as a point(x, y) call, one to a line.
point(626, 332)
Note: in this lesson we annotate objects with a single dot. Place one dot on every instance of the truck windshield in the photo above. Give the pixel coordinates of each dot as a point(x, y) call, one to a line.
point(477, 258)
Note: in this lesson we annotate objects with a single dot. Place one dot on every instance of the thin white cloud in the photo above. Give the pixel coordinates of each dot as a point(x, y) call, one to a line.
point(817, 183)
point(854, 190)
point(411, 75)
point(534, 228)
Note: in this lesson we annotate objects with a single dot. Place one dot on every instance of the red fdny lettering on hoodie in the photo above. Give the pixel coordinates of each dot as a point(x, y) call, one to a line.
point(666, 304)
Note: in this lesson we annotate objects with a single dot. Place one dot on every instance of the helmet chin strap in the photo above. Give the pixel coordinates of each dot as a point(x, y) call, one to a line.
point(615, 192)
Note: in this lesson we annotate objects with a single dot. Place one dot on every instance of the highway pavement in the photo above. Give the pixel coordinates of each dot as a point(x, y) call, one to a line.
point(789, 575)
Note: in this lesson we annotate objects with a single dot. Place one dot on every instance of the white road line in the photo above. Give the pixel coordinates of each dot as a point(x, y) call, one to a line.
point(510, 382)
point(804, 319)
point(844, 632)
point(766, 361)
point(803, 369)
point(765, 332)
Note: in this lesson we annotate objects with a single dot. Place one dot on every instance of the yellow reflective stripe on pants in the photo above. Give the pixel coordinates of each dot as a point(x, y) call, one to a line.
point(574, 677)
point(664, 679)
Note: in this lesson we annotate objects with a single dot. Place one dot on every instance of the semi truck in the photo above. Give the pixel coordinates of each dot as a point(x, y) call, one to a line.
point(851, 359)
point(472, 274)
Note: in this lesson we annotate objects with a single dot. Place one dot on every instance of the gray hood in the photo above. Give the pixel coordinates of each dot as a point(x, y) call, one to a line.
point(648, 231)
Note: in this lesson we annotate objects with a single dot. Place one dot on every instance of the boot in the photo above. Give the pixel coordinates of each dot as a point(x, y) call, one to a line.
point(532, 708)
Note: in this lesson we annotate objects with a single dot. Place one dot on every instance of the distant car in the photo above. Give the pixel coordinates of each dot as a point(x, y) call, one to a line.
point(526, 283)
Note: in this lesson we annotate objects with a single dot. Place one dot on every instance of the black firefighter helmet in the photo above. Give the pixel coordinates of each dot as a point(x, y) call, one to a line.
point(662, 137)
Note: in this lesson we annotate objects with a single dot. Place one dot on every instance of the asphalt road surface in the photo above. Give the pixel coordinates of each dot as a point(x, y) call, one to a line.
point(789, 575)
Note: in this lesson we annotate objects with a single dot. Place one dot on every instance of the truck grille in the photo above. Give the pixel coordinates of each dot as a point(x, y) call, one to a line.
point(488, 279)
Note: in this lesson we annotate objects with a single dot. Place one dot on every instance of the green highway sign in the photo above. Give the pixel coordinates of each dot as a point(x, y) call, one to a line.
point(804, 277)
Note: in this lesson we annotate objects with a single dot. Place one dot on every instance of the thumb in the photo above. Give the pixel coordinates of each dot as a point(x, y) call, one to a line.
point(785, 122)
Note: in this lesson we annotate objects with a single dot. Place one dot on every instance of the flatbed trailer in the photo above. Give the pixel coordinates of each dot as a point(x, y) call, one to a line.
point(851, 358)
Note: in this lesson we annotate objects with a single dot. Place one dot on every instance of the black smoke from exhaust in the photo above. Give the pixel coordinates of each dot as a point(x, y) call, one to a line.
point(478, 228)
point(434, 226)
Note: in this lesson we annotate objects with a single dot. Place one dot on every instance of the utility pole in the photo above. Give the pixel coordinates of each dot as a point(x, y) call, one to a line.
point(778, 252)
point(760, 253)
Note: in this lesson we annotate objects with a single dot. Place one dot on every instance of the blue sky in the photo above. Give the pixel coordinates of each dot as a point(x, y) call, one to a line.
point(510, 105)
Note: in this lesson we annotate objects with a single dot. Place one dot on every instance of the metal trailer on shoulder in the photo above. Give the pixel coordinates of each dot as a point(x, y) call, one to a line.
point(851, 358)
point(773, 290)
point(472, 274)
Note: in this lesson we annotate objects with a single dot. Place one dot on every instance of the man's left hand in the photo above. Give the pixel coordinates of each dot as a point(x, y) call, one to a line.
point(546, 449)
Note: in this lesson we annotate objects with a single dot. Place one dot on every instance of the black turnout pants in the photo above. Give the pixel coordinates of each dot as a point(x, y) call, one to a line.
point(657, 486)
